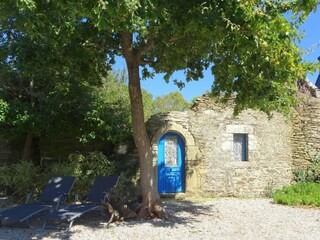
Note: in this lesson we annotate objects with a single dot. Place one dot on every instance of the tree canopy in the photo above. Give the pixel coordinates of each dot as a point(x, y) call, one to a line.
point(251, 45)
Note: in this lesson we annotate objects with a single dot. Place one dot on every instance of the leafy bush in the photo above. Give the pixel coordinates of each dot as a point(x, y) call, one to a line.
point(303, 193)
point(24, 177)
point(5, 177)
point(306, 191)
point(90, 166)
point(128, 189)
point(21, 178)
point(311, 173)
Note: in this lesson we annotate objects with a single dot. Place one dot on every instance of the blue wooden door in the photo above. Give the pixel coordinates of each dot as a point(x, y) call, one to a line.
point(171, 167)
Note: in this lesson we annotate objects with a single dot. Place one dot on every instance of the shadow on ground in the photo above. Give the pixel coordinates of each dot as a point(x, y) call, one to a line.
point(180, 212)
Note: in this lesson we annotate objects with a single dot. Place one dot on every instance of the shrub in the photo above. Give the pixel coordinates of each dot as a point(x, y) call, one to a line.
point(303, 193)
point(128, 189)
point(85, 168)
point(25, 177)
point(90, 166)
point(311, 173)
point(5, 178)
point(20, 178)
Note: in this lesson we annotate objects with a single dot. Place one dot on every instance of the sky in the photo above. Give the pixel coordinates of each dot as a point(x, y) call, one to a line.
point(158, 87)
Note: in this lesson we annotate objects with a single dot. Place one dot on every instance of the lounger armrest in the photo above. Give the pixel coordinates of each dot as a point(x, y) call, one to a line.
point(106, 194)
point(105, 197)
point(80, 197)
point(62, 199)
point(29, 197)
point(77, 198)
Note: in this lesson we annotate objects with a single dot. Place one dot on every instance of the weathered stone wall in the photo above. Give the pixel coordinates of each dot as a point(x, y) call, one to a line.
point(269, 149)
point(178, 122)
point(210, 167)
point(306, 130)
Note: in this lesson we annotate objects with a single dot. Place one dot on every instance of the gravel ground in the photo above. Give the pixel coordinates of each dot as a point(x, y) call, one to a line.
point(225, 218)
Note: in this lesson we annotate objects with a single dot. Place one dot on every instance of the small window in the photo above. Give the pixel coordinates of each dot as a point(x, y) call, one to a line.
point(240, 147)
point(171, 151)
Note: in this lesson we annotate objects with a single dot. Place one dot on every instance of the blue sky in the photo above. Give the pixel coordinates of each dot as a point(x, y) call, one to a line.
point(158, 87)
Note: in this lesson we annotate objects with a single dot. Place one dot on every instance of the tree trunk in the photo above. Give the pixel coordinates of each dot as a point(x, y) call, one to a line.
point(150, 195)
point(26, 154)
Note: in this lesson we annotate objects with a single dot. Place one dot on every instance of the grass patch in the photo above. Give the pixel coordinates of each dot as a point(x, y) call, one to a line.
point(304, 193)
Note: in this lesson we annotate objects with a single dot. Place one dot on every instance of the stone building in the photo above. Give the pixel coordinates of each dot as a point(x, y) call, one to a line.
point(208, 151)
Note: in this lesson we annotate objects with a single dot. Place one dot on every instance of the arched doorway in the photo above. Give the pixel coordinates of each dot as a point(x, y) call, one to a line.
point(171, 164)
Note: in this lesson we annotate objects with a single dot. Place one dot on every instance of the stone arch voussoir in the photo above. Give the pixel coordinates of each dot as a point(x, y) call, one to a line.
point(191, 153)
point(191, 149)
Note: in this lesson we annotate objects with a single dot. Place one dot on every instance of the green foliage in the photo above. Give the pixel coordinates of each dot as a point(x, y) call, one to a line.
point(303, 193)
point(84, 167)
point(270, 189)
point(251, 45)
point(148, 104)
point(3, 110)
point(65, 168)
point(86, 113)
point(108, 117)
point(173, 101)
point(311, 173)
point(25, 177)
point(306, 191)
point(96, 164)
point(21, 178)
point(5, 177)
point(48, 79)
point(127, 189)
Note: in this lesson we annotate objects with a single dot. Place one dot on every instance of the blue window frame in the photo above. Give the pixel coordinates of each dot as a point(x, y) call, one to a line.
point(240, 147)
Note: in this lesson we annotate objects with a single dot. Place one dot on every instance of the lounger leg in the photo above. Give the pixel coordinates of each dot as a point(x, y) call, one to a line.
point(44, 225)
point(70, 225)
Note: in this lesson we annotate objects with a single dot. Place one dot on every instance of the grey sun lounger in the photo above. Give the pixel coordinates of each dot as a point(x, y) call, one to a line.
point(98, 193)
point(53, 195)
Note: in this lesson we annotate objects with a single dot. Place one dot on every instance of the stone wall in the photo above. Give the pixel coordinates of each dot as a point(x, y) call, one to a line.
point(269, 149)
point(306, 130)
point(210, 167)
point(178, 122)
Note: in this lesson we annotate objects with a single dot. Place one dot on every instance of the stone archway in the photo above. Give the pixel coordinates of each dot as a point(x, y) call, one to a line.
point(191, 154)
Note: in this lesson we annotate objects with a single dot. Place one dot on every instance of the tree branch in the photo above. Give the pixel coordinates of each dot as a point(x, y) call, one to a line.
point(173, 38)
point(126, 45)
point(146, 45)
point(149, 62)
point(94, 45)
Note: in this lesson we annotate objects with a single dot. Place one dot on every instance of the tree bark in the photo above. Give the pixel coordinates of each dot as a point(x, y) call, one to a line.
point(150, 195)
point(26, 154)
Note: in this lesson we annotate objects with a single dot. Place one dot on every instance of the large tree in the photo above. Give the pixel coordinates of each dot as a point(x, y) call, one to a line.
point(41, 81)
point(249, 45)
